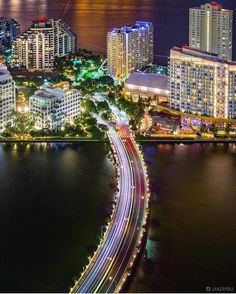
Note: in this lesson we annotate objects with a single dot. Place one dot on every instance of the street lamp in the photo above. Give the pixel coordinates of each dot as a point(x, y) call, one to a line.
point(113, 281)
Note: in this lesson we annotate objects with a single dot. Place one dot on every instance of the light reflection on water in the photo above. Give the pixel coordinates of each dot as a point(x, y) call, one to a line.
point(49, 197)
point(195, 203)
point(93, 18)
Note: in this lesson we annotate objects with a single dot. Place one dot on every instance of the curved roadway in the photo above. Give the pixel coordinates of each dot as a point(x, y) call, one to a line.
point(112, 263)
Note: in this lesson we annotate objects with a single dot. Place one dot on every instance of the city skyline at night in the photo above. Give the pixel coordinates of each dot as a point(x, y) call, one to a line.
point(117, 146)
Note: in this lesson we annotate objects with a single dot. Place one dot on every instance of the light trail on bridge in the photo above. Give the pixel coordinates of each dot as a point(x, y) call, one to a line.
point(109, 268)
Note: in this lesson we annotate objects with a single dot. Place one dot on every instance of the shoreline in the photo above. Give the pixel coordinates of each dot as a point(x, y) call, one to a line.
point(186, 141)
point(161, 141)
point(52, 140)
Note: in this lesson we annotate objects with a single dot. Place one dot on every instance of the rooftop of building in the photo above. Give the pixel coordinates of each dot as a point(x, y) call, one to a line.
point(42, 22)
point(214, 6)
point(4, 18)
point(45, 23)
point(148, 80)
point(3, 70)
point(52, 91)
point(130, 28)
point(42, 94)
point(41, 19)
point(201, 54)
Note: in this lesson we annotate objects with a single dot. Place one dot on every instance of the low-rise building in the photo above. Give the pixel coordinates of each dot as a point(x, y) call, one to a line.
point(166, 122)
point(146, 86)
point(7, 96)
point(54, 105)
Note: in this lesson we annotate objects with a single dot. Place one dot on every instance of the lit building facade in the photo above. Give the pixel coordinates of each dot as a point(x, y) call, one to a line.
point(211, 29)
point(147, 86)
point(7, 96)
point(201, 83)
point(9, 29)
point(36, 48)
point(54, 105)
point(129, 48)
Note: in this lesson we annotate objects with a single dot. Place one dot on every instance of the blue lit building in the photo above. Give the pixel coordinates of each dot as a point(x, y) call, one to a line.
point(9, 29)
point(129, 48)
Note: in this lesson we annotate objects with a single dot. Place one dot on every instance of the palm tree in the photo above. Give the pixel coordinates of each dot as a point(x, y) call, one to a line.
point(21, 123)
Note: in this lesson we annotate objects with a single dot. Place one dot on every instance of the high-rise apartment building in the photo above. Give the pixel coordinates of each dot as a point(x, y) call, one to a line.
point(36, 48)
point(129, 48)
point(7, 96)
point(211, 29)
point(54, 105)
point(9, 29)
point(202, 83)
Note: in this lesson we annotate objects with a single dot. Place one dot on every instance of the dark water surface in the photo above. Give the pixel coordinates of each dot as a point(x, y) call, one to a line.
point(53, 200)
point(93, 18)
point(194, 208)
point(54, 197)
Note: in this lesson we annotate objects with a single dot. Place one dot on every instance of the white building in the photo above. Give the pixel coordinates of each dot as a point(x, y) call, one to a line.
point(36, 48)
point(202, 83)
point(211, 29)
point(129, 49)
point(7, 96)
point(54, 105)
